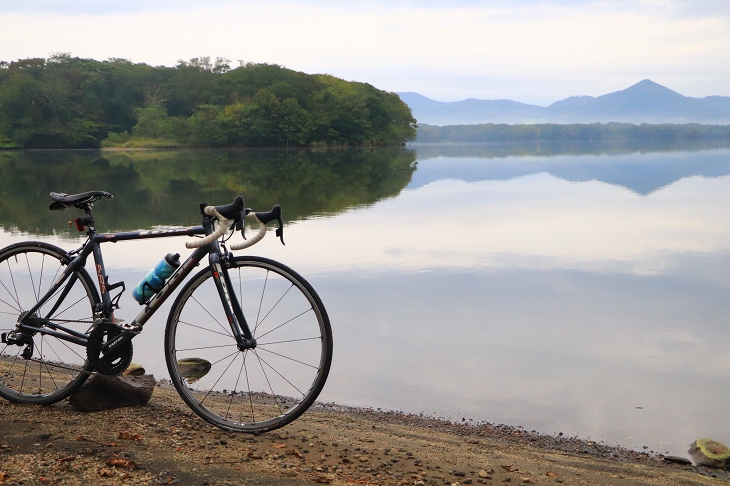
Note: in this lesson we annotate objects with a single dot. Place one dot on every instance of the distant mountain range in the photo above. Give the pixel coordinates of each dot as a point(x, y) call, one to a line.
point(644, 102)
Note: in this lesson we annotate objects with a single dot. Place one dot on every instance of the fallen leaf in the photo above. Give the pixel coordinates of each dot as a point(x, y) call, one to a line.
point(124, 463)
point(4, 476)
point(551, 474)
point(105, 473)
point(124, 435)
point(278, 446)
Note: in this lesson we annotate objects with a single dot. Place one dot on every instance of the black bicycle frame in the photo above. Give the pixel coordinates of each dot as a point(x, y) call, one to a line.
point(218, 268)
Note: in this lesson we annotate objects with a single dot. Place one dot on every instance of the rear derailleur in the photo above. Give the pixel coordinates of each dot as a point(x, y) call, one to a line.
point(18, 338)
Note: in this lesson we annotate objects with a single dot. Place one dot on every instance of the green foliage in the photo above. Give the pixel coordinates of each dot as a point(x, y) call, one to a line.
point(68, 102)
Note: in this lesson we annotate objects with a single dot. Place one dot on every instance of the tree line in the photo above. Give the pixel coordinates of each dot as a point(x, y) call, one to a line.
point(70, 102)
point(595, 132)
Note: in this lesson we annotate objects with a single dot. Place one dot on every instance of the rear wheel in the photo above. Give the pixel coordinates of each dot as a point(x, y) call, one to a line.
point(36, 367)
point(258, 389)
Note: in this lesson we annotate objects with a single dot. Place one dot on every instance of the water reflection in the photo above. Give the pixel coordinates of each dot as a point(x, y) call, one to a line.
point(641, 172)
point(165, 187)
point(577, 294)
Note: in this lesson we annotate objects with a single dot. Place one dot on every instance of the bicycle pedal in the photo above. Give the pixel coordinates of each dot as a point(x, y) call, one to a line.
point(130, 328)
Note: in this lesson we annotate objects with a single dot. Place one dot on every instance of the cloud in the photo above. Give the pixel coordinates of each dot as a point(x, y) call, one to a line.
point(538, 52)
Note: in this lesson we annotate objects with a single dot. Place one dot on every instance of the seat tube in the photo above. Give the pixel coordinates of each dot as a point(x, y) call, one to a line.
point(102, 280)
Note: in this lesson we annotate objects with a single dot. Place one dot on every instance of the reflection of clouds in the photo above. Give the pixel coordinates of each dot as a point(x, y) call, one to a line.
point(555, 350)
point(533, 222)
point(554, 305)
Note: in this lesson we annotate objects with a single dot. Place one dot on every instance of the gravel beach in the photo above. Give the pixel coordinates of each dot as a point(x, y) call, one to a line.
point(164, 443)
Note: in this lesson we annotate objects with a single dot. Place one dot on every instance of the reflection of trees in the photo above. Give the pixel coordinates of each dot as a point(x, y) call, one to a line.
point(165, 187)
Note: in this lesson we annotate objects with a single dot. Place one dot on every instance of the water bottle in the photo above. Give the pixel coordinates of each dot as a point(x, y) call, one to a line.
point(155, 279)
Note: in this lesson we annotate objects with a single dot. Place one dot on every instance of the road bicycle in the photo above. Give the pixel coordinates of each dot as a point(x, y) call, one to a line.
point(248, 343)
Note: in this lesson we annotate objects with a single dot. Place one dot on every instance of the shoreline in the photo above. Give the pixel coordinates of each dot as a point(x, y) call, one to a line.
point(165, 443)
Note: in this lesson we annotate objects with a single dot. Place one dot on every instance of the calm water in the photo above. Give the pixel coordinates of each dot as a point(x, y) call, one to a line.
point(581, 290)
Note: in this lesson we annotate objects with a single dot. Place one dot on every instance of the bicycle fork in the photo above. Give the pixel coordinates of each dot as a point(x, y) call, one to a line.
point(231, 306)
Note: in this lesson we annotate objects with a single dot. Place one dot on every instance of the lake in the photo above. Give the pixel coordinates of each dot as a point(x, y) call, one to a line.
point(572, 289)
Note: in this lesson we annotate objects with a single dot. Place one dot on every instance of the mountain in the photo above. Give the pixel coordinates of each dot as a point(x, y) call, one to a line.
point(470, 111)
point(644, 102)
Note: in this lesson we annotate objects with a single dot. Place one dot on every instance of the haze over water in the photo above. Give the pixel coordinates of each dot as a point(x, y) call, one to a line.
point(581, 292)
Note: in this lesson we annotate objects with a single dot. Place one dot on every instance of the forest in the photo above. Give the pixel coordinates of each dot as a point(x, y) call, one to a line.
point(594, 133)
point(69, 102)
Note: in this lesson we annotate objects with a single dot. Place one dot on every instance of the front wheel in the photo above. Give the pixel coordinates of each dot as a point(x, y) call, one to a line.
point(260, 389)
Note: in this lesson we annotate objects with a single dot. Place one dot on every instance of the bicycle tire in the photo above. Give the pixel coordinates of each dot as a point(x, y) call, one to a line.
point(255, 390)
point(55, 368)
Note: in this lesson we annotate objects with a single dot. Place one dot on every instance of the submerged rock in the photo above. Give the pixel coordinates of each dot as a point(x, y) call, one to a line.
point(193, 369)
point(708, 452)
point(134, 370)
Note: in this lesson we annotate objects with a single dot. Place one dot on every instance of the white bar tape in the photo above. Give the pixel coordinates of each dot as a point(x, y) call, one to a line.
point(223, 225)
point(255, 238)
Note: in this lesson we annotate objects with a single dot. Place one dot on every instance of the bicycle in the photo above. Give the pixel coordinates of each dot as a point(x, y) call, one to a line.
point(254, 363)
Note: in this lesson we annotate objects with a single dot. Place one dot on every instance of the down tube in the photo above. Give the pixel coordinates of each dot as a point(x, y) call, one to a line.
point(170, 286)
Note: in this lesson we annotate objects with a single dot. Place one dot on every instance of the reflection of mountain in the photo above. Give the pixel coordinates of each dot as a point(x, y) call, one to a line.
point(165, 187)
point(642, 173)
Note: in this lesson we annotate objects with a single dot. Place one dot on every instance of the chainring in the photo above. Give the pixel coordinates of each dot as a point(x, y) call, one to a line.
point(113, 362)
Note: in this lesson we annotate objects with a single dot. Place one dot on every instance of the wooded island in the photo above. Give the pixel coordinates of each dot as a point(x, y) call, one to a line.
point(69, 102)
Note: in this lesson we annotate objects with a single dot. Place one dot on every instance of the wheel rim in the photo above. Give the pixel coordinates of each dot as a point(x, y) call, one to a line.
point(258, 389)
point(56, 367)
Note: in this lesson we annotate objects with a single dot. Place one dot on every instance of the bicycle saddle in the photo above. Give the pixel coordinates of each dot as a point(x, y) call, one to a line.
point(63, 201)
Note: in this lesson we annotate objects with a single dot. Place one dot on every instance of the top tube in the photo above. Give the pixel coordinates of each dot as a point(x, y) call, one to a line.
point(139, 235)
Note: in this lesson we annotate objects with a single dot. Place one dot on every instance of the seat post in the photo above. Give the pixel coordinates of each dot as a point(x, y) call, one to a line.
point(89, 219)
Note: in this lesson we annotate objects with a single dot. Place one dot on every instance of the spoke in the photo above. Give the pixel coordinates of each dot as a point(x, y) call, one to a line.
point(212, 388)
point(205, 328)
point(235, 387)
point(40, 279)
point(287, 357)
point(30, 274)
point(285, 323)
point(12, 307)
point(14, 293)
point(209, 314)
point(206, 347)
point(261, 302)
point(63, 343)
point(40, 367)
point(83, 297)
point(318, 338)
point(262, 360)
point(266, 376)
point(274, 306)
point(15, 306)
point(248, 388)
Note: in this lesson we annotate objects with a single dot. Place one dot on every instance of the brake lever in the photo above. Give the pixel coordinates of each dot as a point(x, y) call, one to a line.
point(267, 217)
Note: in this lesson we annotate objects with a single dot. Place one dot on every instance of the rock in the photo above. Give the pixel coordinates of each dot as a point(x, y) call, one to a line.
point(708, 452)
point(101, 392)
point(193, 368)
point(677, 460)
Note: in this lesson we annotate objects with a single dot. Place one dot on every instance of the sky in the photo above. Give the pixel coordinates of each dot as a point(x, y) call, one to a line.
point(532, 51)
